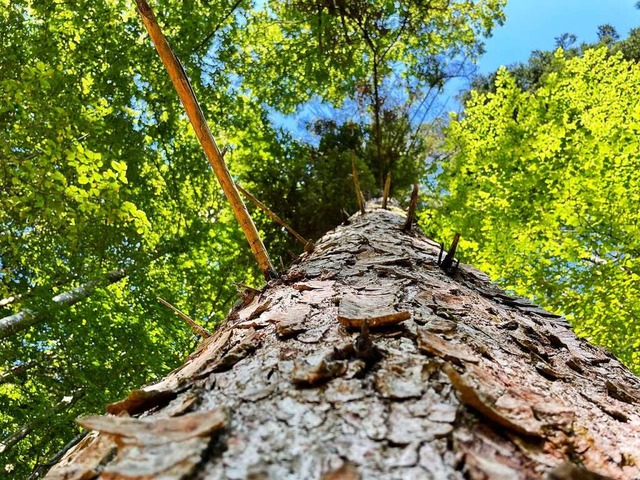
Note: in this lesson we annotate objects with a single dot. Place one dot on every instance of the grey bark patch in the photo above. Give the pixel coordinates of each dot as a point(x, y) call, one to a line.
point(399, 380)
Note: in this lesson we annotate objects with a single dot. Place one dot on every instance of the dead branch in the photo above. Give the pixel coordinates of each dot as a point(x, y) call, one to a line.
point(308, 245)
point(203, 332)
point(201, 128)
point(411, 213)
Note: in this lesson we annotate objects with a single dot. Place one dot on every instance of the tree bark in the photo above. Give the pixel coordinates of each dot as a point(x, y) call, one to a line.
point(366, 360)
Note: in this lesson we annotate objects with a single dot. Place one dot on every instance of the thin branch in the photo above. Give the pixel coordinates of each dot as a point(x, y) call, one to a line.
point(40, 470)
point(25, 318)
point(401, 28)
point(308, 245)
point(444, 78)
point(26, 429)
point(217, 27)
point(15, 371)
point(203, 332)
point(243, 286)
point(414, 137)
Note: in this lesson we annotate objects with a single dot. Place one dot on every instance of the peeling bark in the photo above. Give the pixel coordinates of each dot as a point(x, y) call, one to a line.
point(366, 360)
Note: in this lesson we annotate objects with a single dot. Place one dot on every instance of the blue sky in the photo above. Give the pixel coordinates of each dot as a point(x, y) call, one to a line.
point(534, 24)
point(531, 25)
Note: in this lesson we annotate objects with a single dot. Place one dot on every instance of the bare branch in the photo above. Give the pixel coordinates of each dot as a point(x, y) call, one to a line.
point(202, 131)
point(307, 243)
point(203, 332)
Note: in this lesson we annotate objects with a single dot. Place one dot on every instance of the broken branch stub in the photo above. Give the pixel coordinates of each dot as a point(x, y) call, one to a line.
point(201, 129)
point(387, 188)
point(356, 184)
point(449, 264)
point(411, 213)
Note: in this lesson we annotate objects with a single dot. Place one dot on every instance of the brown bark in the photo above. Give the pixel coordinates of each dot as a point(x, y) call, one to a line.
point(474, 384)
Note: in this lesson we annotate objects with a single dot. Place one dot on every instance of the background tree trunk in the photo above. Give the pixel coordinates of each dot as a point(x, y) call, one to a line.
point(455, 379)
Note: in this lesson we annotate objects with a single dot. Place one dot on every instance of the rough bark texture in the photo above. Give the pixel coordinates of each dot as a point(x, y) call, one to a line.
point(454, 379)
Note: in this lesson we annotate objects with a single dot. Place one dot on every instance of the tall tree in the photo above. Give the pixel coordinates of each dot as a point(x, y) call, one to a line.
point(100, 175)
point(544, 186)
point(370, 50)
point(368, 360)
point(100, 171)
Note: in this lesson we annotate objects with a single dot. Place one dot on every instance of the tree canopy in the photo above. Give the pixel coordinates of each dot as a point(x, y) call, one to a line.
point(545, 184)
point(106, 201)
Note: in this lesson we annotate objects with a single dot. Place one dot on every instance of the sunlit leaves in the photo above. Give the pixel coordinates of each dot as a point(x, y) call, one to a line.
point(544, 185)
point(100, 172)
point(292, 51)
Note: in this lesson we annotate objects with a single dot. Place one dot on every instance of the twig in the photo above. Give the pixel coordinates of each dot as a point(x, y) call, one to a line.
point(217, 27)
point(40, 470)
point(244, 286)
point(356, 183)
point(411, 213)
point(203, 332)
point(308, 245)
point(199, 123)
point(387, 187)
point(345, 216)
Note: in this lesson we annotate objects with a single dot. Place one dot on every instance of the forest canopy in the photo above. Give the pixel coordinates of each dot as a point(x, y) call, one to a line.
point(545, 185)
point(107, 202)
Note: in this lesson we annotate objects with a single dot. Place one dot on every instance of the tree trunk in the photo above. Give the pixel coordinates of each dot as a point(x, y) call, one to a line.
point(365, 360)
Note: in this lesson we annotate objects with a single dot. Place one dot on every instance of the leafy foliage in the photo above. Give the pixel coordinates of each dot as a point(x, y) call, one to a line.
point(544, 186)
point(379, 54)
point(529, 74)
point(100, 173)
point(316, 181)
